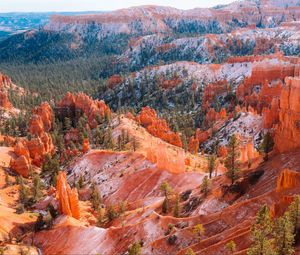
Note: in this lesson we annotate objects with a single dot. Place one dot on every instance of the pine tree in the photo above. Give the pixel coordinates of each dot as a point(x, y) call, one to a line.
point(231, 162)
point(211, 164)
point(267, 145)
point(166, 189)
point(37, 188)
point(165, 206)
point(199, 230)
point(284, 236)
point(261, 231)
point(7, 180)
point(135, 249)
point(231, 247)
point(24, 192)
point(95, 197)
point(294, 212)
point(51, 165)
point(189, 251)
point(176, 209)
point(111, 213)
point(205, 185)
point(67, 124)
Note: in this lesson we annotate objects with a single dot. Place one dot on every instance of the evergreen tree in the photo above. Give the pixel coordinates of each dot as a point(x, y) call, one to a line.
point(199, 230)
point(166, 189)
point(51, 164)
point(176, 209)
point(37, 188)
point(67, 124)
point(111, 213)
point(267, 145)
point(24, 192)
point(211, 164)
point(205, 185)
point(231, 162)
point(294, 213)
point(95, 197)
point(284, 236)
point(261, 232)
point(7, 180)
point(231, 247)
point(135, 249)
point(189, 251)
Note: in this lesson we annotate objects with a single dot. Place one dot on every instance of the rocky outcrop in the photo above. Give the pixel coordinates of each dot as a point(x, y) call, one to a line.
point(35, 149)
point(45, 114)
point(193, 145)
point(114, 81)
point(4, 101)
point(213, 90)
point(287, 179)
point(74, 105)
point(21, 166)
point(67, 197)
point(248, 152)
point(265, 83)
point(86, 145)
point(158, 127)
point(287, 134)
point(271, 114)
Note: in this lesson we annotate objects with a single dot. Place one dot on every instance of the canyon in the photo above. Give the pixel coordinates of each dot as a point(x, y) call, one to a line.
point(176, 149)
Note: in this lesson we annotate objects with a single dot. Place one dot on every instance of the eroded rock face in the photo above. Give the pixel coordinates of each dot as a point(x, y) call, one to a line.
point(45, 113)
point(114, 81)
point(35, 149)
point(287, 179)
point(248, 152)
point(4, 101)
point(158, 127)
point(271, 114)
point(287, 134)
point(265, 83)
point(81, 103)
point(67, 197)
point(21, 166)
point(85, 145)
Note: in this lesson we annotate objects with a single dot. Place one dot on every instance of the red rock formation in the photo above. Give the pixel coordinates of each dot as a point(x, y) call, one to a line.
point(287, 134)
point(265, 83)
point(271, 115)
point(81, 102)
point(222, 151)
point(248, 152)
point(4, 101)
point(203, 136)
point(85, 145)
point(212, 116)
point(158, 127)
point(287, 179)
point(169, 83)
point(67, 197)
point(35, 149)
point(44, 111)
point(193, 145)
point(21, 166)
point(213, 90)
point(114, 81)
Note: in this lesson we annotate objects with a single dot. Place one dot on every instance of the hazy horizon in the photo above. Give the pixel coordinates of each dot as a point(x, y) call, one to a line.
point(96, 5)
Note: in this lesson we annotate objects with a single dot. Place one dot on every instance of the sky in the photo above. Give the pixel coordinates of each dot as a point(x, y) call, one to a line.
point(97, 5)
